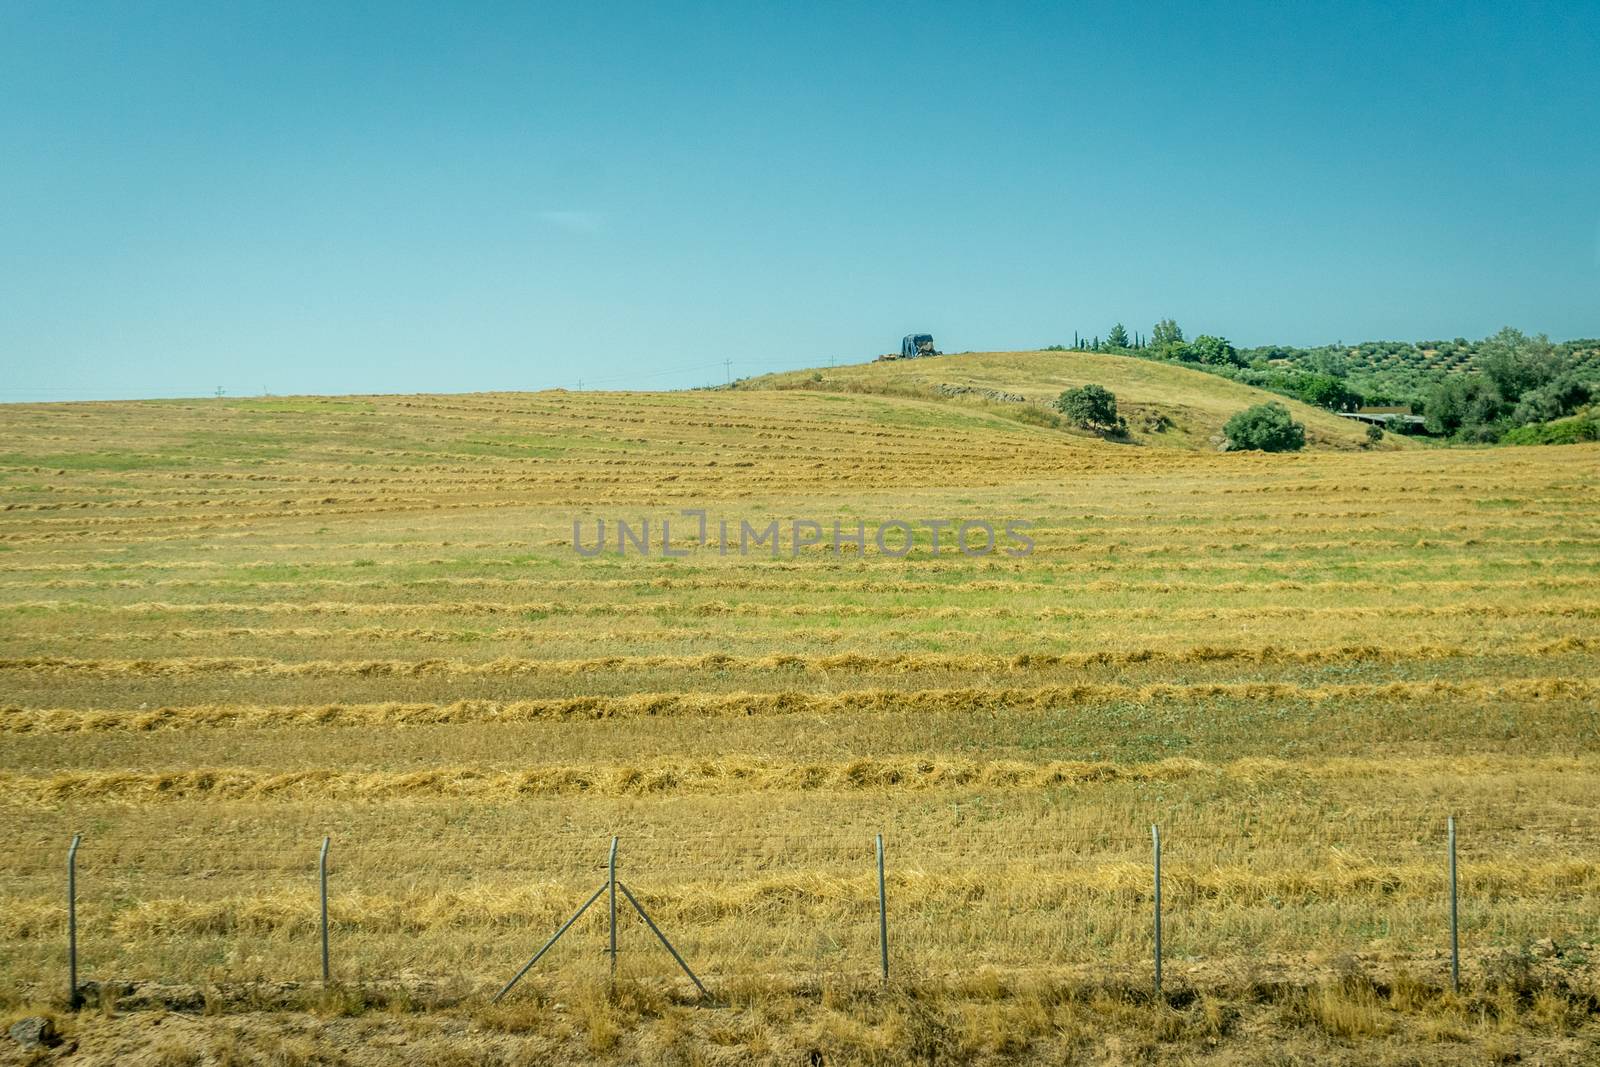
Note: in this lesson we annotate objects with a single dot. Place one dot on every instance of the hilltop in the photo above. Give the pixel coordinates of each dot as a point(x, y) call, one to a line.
point(1195, 403)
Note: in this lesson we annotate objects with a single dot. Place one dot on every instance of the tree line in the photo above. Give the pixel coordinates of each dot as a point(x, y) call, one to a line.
point(1484, 391)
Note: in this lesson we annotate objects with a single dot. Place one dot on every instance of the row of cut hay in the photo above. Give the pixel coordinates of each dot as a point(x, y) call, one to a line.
point(735, 775)
point(1350, 478)
point(1416, 533)
point(1522, 691)
point(719, 582)
point(947, 563)
point(814, 896)
point(668, 630)
point(850, 662)
point(96, 525)
point(1539, 608)
point(1153, 538)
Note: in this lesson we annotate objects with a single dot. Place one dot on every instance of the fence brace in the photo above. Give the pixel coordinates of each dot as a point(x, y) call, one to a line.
point(611, 886)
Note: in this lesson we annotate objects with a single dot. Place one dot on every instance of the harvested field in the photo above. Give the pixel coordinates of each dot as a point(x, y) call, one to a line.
point(232, 627)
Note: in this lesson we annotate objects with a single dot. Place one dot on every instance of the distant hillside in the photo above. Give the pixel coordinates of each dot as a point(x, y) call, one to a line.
point(1021, 384)
point(1406, 370)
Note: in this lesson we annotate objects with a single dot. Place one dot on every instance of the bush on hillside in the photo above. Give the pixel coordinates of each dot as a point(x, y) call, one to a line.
point(1093, 407)
point(1034, 415)
point(1571, 431)
point(1265, 428)
point(1562, 396)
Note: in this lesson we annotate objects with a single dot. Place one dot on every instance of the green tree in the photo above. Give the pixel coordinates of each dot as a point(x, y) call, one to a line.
point(1266, 428)
point(1462, 403)
point(1216, 351)
point(1374, 433)
point(1326, 391)
point(1517, 363)
point(1165, 333)
point(1166, 341)
point(1328, 360)
point(1091, 408)
point(1118, 337)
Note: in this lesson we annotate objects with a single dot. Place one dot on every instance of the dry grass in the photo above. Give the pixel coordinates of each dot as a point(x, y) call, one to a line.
point(232, 627)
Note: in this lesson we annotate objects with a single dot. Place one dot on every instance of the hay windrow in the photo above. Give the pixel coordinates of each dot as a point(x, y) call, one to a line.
point(853, 662)
point(22, 720)
point(734, 776)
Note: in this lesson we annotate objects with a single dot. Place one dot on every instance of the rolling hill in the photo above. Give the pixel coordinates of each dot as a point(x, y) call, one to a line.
point(1197, 404)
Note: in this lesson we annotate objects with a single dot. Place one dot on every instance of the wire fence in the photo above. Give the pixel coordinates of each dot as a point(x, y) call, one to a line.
point(210, 907)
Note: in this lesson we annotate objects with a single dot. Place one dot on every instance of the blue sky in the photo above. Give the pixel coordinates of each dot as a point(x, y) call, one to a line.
point(387, 197)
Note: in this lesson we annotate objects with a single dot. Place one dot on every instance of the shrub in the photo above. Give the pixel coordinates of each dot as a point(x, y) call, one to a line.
point(1483, 433)
point(1561, 397)
point(1033, 415)
point(1091, 408)
point(1266, 428)
point(1565, 432)
point(1374, 433)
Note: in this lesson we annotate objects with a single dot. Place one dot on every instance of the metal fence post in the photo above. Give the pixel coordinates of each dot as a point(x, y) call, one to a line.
point(72, 923)
point(883, 915)
point(1455, 941)
point(1155, 843)
point(611, 863)
point(322, 876)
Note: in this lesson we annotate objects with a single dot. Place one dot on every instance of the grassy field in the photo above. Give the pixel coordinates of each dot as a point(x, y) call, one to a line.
point(232, 627)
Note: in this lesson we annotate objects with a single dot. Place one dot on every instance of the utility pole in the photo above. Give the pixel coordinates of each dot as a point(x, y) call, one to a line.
point(580, 385)
point(219, 390)
point(727, 366)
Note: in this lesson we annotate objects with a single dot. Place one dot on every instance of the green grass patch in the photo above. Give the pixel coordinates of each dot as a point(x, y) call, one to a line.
point(313, 405)
point(96, 461)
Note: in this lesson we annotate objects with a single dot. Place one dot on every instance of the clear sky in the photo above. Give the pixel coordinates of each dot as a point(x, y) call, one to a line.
point(383, 197)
